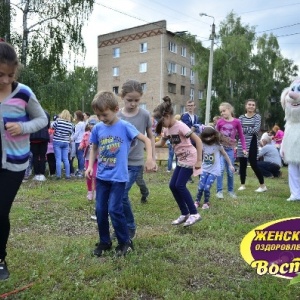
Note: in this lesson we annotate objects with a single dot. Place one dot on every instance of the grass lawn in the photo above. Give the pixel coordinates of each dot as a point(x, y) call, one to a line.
point(52, 236)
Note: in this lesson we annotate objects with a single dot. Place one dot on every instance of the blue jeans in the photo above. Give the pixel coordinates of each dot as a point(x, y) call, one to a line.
point(205, 182)
point(109, 196)
point(61, 150)
point(170, 158)
point(230, 175)
point(180, 192)
point(80, 158)
point(133, 172)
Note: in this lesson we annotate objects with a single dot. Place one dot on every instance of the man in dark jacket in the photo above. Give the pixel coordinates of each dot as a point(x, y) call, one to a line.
point(38, 147)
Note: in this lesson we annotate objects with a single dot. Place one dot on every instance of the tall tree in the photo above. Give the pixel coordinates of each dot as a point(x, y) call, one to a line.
point(52, 29)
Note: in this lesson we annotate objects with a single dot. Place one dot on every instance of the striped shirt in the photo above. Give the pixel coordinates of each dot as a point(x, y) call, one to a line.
point(251, 126)
point(63, 130)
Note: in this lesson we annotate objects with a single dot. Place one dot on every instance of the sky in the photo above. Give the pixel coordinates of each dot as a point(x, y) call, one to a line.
point(270, 16)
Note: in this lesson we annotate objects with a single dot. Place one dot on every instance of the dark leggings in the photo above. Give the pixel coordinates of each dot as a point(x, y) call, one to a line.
point(252, 157)
point(9, 185)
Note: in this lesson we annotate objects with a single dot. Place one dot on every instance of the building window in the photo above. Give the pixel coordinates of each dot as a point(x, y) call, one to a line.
point(143, 67)
point(200, 95)
point(183, 51)
point(182, 90)
point(183, 71)
point(116, 71)
point(182, 109)
point(192, 94)
point(172, 68)
point(172, 88)
point(116, 90)
point(172, 47)
point(143, 47)
point(116, 52)
point(144, 87)
point(192, 75)
point(192, 59)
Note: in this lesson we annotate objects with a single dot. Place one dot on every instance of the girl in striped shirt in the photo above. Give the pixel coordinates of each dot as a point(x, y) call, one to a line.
point(251, 122)
point(61, 139)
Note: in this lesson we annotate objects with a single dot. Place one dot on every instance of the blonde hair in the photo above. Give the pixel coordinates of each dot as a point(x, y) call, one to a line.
point(65, 115)
point(177, 117)
point(104, 100)
point(228, 106)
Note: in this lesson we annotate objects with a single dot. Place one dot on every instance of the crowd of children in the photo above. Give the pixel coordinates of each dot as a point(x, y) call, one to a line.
point(110, 148)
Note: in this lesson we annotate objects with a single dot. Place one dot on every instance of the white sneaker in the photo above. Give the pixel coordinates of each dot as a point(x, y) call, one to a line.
point(292, 199)
point(93, 217)
point(205, 206)
point(241, 188)
point(232, 195)
point(89, 195)
point(192, 220)
point(261, 190)
point(36, 177)
point(180, 220)
point(220, 195)
point(42, 177)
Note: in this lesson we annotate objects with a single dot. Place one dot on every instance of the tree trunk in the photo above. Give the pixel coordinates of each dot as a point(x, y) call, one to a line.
point(25, 34)
point(5, 19)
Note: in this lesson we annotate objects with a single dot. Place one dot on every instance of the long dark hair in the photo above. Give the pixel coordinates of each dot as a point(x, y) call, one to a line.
point(162, 110)
point(210, 136)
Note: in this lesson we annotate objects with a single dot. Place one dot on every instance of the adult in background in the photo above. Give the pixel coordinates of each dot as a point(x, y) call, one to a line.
point(77, 138)
point(251, 122)
point(63, 128)
point(38, 146)
point(271, 163)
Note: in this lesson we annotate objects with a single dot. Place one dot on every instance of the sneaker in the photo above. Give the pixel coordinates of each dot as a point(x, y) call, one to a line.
point(25, 179)
point(232, 195)
point(168, 171)
point(241, 188)
point(205, 206)
point(292, 199)
point(93, 217)
point(261, 190)
point(180, 220)
point(42, 177)
point(79, 174)
point(220, 195)
point(101, 248)
point(144, 199)
point(4, 274)
point(132, 233)
point(89, 195)
point(197, 204)
point(123, 249)
point(36, 177)
point(192, 219)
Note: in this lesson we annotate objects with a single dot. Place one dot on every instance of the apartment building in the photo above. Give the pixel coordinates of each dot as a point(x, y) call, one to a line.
point(155, 57)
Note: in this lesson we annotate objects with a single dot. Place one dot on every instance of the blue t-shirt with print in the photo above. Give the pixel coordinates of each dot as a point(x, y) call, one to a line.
point(113, 142)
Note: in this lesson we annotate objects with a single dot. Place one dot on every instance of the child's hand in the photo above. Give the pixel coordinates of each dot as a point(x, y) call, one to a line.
point(198, 164)
point(150, 165)
point(13, 128)
point(245, 153)
point(232, 169)
point(89, 173)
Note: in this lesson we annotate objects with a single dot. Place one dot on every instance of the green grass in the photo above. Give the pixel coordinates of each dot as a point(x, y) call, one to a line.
point(52, 237)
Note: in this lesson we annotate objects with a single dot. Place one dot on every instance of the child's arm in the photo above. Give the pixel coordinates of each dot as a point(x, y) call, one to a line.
point(160, 143)
point(152, 139)
point(92, 158)
point(199, 148)
point(241, 136)
point(223, 152)
point(150, 162)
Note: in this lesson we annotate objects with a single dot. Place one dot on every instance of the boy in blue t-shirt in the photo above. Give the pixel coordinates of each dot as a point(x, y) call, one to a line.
point(111, 140)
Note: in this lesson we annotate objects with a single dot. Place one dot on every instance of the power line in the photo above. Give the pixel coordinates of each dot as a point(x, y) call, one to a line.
point(279, 28)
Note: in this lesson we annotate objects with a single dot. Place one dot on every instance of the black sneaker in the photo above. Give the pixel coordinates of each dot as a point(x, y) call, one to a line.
point(101, 248)
point(132, 233)
point(144, 199)
point(4, 274)
point(123, 249)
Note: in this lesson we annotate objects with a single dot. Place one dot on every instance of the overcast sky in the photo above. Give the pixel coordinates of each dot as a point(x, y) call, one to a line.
point(276, 16)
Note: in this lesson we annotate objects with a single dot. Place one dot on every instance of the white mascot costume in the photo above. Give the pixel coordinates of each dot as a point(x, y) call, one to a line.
point(290, 148)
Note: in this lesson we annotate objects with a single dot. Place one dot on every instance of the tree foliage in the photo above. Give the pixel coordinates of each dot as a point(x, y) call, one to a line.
point(247, 66)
